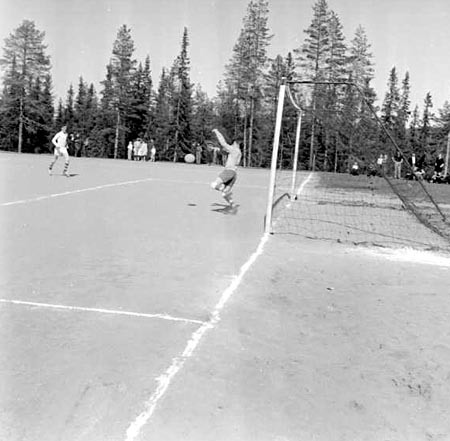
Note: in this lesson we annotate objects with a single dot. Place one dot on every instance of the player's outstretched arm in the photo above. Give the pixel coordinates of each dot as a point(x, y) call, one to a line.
point(221, 139)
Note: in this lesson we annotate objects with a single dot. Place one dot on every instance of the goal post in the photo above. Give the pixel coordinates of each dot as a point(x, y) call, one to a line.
point(273, 167)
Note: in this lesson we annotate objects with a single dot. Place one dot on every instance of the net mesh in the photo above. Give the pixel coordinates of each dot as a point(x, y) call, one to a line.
point(355, 193)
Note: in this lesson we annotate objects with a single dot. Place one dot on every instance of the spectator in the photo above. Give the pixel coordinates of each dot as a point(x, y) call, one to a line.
point(152, 150)
point(439, 165)
point(198, 153)
point(130, 151)
point(136, 145)
point(143, 151)
point(77, 145)
point(380, 162)
point(354, 169)
point(398, 160)
point(420, 167)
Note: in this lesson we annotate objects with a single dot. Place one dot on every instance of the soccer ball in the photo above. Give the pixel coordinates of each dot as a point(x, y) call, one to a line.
point(189, 158)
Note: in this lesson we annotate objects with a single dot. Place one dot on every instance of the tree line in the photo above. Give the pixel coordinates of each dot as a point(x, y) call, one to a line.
point(178, 114)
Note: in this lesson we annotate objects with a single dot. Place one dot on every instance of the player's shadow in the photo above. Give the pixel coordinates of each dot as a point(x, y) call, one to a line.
point(70, 175)
point(225, 208)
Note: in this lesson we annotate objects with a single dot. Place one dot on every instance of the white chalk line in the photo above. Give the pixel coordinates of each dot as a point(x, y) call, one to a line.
point(67, 193)
point(164, 381)
point(101, 311)
point(299, 190)
point(101, 187)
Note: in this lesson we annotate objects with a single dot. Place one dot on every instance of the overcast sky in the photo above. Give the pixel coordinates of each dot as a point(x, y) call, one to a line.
point(413, 35)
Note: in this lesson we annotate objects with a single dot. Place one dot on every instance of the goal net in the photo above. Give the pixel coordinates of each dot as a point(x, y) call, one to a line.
point(338, 173)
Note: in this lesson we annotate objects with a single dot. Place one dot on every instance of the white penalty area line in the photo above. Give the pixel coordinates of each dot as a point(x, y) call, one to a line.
point(164, 381)
point(67, 193)
point(101, 311)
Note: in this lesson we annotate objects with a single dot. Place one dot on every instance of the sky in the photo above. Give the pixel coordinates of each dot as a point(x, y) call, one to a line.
point(412, 35)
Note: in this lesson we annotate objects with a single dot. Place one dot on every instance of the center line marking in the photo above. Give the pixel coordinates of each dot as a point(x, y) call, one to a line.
point(102, 311)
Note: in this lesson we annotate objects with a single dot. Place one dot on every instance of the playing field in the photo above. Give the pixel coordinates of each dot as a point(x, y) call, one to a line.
point(134, 307)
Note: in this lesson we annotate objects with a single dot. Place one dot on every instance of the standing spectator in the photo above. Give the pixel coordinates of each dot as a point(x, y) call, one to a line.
point(60, 143)
point(143, 151)
point(380, 162)
point(398, 160)
point(198, 153)
point(77, 145)
point(152, 150)
point(86, 147)
point(130, 151)
point(136, 145)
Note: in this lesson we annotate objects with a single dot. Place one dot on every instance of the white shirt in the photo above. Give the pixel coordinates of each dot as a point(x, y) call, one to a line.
point(60, 140)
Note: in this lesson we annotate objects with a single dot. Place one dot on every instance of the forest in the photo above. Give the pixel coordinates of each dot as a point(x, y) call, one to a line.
point(178, 114)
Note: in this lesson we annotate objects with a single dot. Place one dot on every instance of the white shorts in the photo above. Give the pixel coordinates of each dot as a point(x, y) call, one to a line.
point(62, 151)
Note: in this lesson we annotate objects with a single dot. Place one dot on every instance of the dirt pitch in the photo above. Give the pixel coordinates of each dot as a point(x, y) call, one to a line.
point(134, 308)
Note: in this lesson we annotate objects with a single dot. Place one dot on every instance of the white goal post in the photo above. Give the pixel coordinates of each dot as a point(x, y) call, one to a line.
point(284, 89)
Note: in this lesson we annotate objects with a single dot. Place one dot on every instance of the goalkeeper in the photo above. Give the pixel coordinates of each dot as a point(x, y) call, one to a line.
point(227, 178)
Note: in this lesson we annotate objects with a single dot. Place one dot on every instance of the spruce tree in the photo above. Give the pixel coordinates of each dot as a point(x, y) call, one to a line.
point(25, 60)
point(245, 72)
point(123, 66)
point(182, 101)
point(312, 60)
point(425, 129)
point(390, 109)
point(403, 113)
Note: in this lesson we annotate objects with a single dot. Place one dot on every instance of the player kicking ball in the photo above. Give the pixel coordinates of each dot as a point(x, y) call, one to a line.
point(227, 178)
point(59, 141)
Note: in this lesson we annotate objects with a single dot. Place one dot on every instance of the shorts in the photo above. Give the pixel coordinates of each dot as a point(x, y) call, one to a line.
point(228, 177)
point(62, 151)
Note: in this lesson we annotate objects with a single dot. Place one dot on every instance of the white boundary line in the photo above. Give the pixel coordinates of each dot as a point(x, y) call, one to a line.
point(117, 184)
point(102, 311)
point(66, 193)
point(163, 381)
point(300, 189)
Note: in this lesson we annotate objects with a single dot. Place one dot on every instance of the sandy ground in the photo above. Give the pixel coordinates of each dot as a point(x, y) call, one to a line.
point(319, 342)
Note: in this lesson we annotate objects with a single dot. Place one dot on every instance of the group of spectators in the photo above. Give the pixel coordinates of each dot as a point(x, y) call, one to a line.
point(140, 150)
point(419, 168)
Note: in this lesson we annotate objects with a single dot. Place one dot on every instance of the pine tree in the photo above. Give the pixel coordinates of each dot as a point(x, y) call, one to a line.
point(425, 129)
point(414, 131)
point(361, 64)
point(312, 59)
point(390, 108)
point(403, 113)
point(245, 72)
point(10, 108)
point(203, 116)
point(122, 70)
point(138, 119)
point(24, 51)
point(69, 112)
point(163, 117)
point(182, 101)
